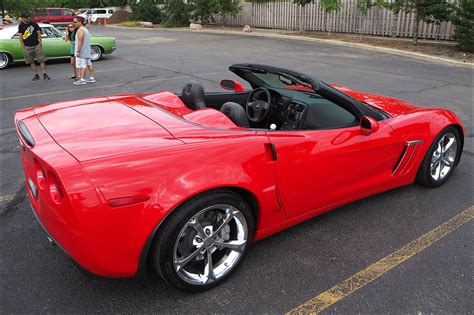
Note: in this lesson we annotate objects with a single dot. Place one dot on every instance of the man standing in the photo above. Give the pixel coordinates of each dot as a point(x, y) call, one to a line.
point(83, 52)
point(30, 38)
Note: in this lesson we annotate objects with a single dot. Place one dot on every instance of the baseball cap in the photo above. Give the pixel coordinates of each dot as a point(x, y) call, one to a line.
point(25, 15)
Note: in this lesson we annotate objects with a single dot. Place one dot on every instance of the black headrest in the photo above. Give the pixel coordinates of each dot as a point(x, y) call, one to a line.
point(236, 113)
point(193, 95)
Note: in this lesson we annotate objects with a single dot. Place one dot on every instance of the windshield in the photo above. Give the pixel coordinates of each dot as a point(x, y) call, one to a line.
point(277, 80)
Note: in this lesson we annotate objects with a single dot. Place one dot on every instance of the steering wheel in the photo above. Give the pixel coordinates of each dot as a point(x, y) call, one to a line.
point(257, 108)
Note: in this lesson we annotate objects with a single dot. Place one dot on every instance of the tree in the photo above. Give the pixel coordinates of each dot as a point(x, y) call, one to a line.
point(463, 19)
point(365, 5)
point(330, 6)
point(228, 7)
point(430, 11)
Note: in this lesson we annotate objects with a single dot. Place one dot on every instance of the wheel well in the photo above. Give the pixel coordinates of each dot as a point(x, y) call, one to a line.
point(8, 55)
point(461, 133)
point(245, 194)
point(100, 47)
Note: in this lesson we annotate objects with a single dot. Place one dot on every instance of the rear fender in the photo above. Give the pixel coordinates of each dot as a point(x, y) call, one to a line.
point(170, 176)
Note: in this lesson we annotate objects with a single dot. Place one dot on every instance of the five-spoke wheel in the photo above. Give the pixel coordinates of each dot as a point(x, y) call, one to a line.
point(204, 241)
point(441, 158)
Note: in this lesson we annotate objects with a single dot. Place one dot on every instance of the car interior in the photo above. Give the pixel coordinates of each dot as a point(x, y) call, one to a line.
point(283, 108)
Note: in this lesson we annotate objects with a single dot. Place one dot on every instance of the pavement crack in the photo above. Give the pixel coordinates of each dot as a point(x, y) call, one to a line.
point(420, 90)
point(13, 204)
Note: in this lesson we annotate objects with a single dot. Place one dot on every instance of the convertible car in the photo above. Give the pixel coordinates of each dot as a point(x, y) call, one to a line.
point(55, 47)
point(187, 182)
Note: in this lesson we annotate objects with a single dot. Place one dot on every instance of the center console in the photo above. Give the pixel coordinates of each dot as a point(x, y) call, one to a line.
point(294, 116)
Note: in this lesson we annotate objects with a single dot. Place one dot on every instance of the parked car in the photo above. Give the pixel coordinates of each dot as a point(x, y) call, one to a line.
point(54, 45)
point(94, 14)
point(187, 182)
point(54, 16)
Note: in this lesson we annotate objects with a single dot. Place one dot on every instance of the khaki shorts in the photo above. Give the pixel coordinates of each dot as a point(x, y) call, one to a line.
point(32, 52)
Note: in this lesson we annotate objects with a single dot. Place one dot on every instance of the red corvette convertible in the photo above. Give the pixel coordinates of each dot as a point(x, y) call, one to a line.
point(186, 182)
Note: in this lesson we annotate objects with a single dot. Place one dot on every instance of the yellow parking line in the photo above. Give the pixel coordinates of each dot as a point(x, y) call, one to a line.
point(6, 198)
point(78, 89)
point(369, 274)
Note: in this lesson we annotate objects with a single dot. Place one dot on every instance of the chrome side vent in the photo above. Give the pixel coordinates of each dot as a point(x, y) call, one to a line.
point(404, 161)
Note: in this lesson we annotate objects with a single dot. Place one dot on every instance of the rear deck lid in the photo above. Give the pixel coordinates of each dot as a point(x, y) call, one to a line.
point(104, 129)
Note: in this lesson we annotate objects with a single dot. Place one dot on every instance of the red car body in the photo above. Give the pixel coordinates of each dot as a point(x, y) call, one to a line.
point(104, 189)
point(55, 16)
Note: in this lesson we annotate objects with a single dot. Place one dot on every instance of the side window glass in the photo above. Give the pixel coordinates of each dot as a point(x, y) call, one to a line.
point(46, 32)
point(41, 12)
point(55, 12)
point(67, 13)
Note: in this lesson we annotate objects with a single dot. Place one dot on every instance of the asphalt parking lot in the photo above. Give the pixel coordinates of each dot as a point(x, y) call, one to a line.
point(286, 270)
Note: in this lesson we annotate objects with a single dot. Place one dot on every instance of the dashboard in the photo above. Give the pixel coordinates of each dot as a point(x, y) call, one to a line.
point(287, 112)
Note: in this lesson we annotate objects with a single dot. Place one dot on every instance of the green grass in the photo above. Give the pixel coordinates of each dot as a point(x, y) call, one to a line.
point(131, 23)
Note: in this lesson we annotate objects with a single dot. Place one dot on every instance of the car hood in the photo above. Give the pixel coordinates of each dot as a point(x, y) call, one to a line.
point(101, 128)
point(392, 106)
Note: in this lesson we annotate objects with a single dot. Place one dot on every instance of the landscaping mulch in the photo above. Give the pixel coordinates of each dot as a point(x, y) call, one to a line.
point(439, 48)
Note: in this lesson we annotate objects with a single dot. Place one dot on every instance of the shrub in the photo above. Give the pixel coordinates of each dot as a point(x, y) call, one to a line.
point(146, 10)
point(175, 13)
point(203, 10)
point(131, 23)
point(463, 19)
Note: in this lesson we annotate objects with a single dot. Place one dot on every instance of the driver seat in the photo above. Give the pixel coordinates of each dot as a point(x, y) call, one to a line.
point(236, 113)
point(193, 95)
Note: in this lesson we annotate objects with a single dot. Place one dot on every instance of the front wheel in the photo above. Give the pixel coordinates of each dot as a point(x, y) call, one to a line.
point(203, 241)
point(96, 53)
point(440, 159)
point(4, 61)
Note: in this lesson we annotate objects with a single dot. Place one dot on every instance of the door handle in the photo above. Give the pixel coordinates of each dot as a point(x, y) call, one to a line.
point(272, 149)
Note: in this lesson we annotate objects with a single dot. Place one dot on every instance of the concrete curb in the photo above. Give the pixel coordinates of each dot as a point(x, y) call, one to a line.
point(403, 53)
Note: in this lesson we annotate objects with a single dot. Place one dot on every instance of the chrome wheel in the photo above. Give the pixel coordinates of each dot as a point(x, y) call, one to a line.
point(444, 156)
point(96, 53)
point(3, 61)
point(210, 244)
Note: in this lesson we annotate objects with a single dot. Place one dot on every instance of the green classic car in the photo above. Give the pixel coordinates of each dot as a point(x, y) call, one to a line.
point(54, 45)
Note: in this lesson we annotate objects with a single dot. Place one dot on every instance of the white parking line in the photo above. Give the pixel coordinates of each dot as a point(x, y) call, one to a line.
point(6, 198)
point(96, 71)
point(78, 89)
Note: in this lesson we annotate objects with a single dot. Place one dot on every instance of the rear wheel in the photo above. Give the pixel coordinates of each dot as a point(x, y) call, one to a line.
point(4, 61)
point(203, 241)
point(96, 52)
point(441, 158)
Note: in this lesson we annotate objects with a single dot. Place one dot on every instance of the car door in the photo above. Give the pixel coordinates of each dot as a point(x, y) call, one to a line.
point(319, 168)
point(54, 44)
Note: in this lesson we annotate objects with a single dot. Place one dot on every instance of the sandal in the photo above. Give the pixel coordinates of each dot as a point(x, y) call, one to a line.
point(74, 77)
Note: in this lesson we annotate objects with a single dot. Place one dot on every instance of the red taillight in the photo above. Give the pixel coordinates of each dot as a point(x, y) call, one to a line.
point(40, 176)
point(55, 188)
point(125, 201)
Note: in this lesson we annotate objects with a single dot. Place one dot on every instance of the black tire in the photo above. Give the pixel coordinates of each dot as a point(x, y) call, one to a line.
point(424, 176)
point(164, 242)
point(6, 61)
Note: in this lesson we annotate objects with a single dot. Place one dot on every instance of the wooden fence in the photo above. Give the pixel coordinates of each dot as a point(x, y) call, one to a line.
point(377, 21)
